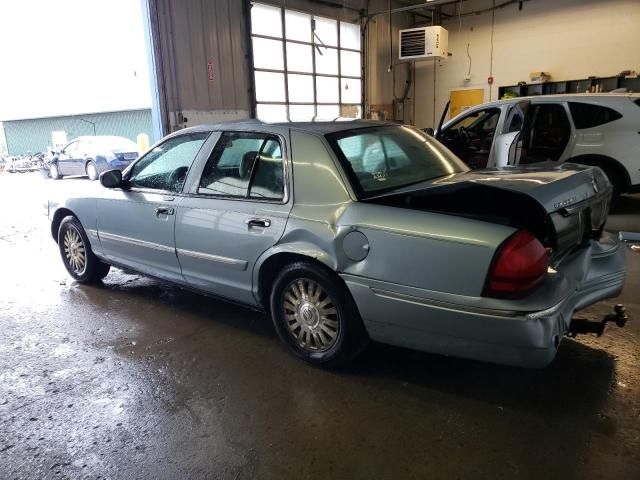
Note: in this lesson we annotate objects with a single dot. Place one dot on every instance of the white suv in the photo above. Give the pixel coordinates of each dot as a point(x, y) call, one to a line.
point(592, 129)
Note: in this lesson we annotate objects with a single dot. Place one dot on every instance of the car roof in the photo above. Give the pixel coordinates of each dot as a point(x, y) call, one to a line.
point(100, 137)
point(322, 128)
point(566, 96)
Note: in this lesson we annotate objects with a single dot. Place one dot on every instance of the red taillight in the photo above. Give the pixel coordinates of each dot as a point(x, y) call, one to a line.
point(519, 265)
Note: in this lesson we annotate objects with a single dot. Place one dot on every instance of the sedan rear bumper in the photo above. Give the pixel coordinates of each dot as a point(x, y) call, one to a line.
point(519, 336)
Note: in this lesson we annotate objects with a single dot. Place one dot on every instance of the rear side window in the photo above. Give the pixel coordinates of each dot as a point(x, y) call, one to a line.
point(586, 115)
point(245, 165)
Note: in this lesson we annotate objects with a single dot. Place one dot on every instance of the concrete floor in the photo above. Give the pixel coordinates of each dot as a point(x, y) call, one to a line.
point(133, 379)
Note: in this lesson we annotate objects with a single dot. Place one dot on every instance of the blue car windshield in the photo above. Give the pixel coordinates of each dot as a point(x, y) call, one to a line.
point(385, 158)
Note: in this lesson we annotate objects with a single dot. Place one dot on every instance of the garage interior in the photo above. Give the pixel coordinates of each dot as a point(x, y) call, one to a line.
point(133, 378)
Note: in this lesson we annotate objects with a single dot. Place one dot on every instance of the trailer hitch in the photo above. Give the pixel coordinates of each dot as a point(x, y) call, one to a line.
point(581, 326)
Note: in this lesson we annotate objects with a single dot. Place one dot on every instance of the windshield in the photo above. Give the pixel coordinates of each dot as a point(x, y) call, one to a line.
point(380, 159)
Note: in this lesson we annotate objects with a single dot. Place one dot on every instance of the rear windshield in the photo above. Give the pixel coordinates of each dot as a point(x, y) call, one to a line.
point(380, 159)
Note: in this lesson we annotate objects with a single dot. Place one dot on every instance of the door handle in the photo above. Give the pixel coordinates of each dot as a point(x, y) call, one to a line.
point(258, 222)
point(165, 211)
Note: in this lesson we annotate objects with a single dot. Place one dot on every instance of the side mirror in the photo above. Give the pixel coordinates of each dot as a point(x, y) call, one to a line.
point(429, 131)
point(112, 179)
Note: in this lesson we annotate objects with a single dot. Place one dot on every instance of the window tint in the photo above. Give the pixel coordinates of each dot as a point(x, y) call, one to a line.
point(166, 166)
point(71, 149)
point(586, 115)
point(245, 164)
point(478, 121)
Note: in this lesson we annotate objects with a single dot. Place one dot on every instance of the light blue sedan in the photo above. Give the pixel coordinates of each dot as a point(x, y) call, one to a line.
point(350, 231)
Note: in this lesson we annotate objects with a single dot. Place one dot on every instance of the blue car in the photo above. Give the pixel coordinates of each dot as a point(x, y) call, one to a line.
point(91, 156)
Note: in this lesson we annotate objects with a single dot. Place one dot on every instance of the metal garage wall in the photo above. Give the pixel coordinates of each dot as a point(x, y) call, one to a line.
point(188, 34)
point(34, 135)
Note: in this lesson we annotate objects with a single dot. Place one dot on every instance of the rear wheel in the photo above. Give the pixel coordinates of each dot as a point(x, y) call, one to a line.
point(92, 171)
point(617, 182)
point(75, 250)
point(315, 315)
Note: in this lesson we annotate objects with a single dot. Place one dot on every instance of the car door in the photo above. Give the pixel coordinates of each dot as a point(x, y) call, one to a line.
point(66, 158)
point(136, 224)
point(237, 208)
point(471, 137)
point(508, 144)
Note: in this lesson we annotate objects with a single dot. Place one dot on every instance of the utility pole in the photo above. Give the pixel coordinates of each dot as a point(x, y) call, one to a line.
point(93, 124)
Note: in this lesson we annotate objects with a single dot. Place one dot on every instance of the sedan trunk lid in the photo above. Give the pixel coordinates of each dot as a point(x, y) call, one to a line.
point(562, 204)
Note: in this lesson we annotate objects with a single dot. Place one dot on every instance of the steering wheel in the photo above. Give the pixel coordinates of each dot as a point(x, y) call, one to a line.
point(464, 133)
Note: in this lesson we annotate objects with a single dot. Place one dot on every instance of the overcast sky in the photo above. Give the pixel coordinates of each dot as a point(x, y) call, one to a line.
point(60, 57)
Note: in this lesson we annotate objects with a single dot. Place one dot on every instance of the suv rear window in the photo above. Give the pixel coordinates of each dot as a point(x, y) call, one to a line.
point(586, 115)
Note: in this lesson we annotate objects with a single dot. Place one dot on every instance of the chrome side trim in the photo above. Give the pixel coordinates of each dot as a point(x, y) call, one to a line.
point(213, 258)
point(92, 234)
point(444, 305)
point(135, 241)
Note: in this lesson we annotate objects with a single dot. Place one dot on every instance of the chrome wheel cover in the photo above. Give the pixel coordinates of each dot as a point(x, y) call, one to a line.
point(311, 315)
point(75, 251)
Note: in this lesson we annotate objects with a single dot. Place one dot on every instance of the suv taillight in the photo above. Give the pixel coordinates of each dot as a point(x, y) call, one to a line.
point(520, 264)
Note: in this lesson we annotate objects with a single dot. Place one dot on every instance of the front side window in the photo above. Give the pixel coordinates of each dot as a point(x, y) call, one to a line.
point(586, 115)
point(379, 159)
point(71, 149)
point(245, 164)
point(166, 166)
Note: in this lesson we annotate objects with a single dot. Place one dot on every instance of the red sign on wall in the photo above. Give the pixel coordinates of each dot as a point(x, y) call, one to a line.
point(210, 70)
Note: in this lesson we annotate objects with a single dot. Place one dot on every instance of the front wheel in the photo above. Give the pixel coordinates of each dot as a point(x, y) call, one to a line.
point(92, 171)
point(54, 172)
point(315, 315)
point(75, 250)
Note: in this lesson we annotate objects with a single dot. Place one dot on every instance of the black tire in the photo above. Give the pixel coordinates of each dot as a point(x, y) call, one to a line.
point(72, 236)
point(350, 335)
point(91, 170)
point(54, 171)
point(616, 180)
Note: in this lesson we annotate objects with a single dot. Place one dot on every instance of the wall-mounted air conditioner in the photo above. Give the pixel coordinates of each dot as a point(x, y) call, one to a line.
point(423, 43)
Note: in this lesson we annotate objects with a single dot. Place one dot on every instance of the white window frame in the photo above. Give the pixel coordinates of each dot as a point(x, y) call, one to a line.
point(339, 76)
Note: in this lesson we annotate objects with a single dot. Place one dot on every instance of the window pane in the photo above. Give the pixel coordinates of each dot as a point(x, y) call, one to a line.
point(328, 112)
point(351, 90)
point(327, 89)
point(327, 60)
point(326, 31)
point(301, 113)
point(266, 20)
point(349, 35)
point(268, 178)
point(298, 26)
point(267, 54)
point(300, 88)
point(228, 170)
point(271, 113)
point(350, 64)
point(270, 87)
point(351, 111)
point(166, 166)
point(299, 58)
